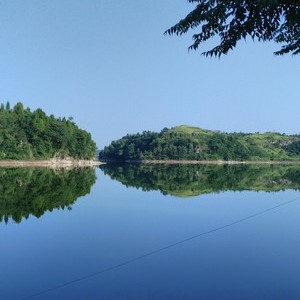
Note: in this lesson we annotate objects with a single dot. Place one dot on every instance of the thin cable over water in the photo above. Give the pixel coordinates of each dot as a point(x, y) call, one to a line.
point(155, 251)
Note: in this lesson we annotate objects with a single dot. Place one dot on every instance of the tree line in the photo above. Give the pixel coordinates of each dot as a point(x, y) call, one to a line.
point(188, 143)
point(34, 135)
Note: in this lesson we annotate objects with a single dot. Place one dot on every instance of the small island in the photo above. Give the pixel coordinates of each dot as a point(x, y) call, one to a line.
point(187, 144)
point(34, 139)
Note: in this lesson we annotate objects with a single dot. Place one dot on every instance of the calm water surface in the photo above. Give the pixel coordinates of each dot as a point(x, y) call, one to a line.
point(59, 227)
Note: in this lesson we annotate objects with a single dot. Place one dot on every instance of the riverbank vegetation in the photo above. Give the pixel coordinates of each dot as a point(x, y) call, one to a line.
point(26, 135)
point(192, 143)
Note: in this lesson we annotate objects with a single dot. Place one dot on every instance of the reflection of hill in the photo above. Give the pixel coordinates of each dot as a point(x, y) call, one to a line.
point(192, 180)
point(25, 192)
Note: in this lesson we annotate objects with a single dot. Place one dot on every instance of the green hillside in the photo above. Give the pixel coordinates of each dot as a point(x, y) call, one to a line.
point(185, 129)
point(192, 143)
point(26, 135)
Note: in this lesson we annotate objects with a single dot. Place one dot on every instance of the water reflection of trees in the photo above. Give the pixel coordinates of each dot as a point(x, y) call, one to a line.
point(191, 180)
point(25, 192)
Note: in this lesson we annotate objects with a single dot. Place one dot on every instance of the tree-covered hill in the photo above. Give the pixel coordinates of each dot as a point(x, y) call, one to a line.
point(192, 143)
point(27, 135)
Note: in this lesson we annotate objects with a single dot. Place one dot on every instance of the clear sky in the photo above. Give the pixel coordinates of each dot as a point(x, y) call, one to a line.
point(107, 64)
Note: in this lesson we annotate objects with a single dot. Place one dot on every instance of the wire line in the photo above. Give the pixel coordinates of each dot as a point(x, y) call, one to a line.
point(155, 251)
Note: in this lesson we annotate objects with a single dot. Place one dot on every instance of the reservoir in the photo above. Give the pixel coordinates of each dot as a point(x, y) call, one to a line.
point(150, 232)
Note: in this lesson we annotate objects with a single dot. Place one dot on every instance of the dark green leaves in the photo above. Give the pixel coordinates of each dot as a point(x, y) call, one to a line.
point(231, 21)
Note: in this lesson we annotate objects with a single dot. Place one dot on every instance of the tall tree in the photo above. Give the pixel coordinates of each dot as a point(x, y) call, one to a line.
point(233, 20)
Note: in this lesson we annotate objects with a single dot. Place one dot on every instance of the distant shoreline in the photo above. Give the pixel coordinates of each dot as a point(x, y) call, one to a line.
point(51, 163)
point(207, 162)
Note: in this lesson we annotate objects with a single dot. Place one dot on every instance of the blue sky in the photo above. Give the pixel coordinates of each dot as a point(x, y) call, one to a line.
point(108, 64)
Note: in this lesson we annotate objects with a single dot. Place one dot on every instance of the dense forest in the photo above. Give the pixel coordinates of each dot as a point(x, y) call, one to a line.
point(34, 135)
point(192, 143)
point(186, 180)
point(25, 191)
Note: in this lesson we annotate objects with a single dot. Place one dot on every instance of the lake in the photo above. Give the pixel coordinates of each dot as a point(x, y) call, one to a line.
point(150, 232)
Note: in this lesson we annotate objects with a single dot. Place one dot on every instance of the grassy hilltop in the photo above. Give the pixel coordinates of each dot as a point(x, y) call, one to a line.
point(192, 143)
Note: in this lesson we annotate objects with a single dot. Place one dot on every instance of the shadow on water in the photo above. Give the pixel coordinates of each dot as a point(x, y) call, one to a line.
point(25, 192)
point(193, 180)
